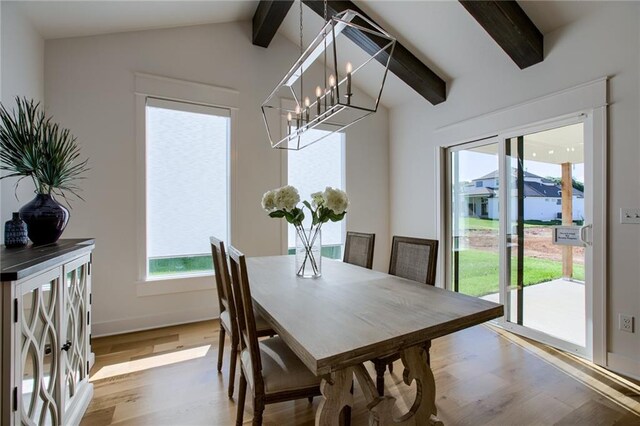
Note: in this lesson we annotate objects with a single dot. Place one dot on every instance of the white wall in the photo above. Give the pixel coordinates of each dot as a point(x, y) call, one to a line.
point(89, 88)
point(22, 71)
point(603, 43)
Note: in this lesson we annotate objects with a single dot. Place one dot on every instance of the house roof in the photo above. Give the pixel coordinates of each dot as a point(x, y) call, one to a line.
point(496, 175)
point(546, 188)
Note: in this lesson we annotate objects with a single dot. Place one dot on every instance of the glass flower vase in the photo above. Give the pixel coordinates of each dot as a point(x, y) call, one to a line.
point(308, 253)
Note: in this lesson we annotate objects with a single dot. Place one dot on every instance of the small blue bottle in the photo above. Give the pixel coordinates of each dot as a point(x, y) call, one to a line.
point(15, 232)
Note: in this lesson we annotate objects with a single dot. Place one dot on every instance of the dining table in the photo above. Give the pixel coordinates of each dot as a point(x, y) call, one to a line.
point(350, 315)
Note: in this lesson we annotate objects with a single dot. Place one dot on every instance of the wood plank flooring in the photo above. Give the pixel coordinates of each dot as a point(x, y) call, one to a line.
point(484, 376)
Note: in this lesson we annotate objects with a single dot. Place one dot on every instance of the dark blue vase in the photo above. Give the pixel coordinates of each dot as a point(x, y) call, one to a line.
point(15, 232)
point(45, 218)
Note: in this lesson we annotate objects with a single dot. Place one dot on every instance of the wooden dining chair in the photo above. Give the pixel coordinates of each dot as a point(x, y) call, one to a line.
point(358, 249)
point(228, 316)
point(271, 370)
point(414, 259)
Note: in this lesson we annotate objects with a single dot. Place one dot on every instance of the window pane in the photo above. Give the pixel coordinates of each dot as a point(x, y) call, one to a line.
point(187, 186)
point(312, 169)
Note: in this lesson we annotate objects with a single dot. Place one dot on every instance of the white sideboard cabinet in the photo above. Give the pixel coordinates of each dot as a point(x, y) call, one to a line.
point(46, 333)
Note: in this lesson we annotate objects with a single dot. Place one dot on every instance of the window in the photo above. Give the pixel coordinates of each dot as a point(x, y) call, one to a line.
point(312, 169)
point(479, 184)
point(187, 185)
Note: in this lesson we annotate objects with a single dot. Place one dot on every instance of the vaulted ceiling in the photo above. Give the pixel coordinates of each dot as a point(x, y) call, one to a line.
point(442, 35)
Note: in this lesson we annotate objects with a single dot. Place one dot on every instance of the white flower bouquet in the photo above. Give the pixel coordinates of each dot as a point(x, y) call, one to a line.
point(330, 205)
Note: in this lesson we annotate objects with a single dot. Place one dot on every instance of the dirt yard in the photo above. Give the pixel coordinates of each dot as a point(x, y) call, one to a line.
point(537, 243)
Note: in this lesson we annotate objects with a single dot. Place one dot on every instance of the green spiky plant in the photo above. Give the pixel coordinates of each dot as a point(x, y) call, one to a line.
point(32, 146)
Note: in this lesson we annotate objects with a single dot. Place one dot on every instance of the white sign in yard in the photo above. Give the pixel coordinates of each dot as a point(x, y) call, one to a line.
point(569, 235)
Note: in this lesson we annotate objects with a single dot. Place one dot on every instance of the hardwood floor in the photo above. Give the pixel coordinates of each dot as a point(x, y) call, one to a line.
point(484, 376)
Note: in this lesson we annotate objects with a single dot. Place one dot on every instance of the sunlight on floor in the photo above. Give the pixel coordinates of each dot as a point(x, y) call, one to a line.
point(150, 362)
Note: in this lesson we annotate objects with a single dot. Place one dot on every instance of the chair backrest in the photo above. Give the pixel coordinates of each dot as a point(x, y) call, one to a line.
point(223, 280)
point(244, 307)
point(414, 259)
point(358, 249)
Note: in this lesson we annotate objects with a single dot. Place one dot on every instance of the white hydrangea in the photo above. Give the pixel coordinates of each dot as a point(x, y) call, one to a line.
point(287, 198)
point(335, 200)
point(317, 199)
point(269, 201)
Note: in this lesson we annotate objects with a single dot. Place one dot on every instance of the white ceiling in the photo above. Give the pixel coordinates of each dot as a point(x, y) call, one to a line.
point(75, 18)
point(442, 34)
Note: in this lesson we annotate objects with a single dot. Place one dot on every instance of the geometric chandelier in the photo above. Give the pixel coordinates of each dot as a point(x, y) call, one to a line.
point(316, 97)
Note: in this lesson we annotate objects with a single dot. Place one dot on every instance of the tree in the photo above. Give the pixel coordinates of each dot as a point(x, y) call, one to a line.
point(575, 183)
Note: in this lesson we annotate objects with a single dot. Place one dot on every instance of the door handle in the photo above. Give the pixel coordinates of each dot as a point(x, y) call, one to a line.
point(66, 346)
point(583, 234)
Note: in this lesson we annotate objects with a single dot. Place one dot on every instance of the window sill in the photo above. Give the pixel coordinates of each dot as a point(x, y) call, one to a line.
point(170, 285)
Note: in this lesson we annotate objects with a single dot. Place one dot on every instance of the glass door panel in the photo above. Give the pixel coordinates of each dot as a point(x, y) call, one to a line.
point(474, 255)
point(545, 185)
point(38, 355)
point(76, 320)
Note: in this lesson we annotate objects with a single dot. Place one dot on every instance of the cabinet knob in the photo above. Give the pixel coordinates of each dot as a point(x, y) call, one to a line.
point(66, 346)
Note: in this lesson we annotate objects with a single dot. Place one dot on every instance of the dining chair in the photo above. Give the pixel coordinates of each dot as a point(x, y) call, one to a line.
point(271, 370)
point(228, 312)
point(358, 249)
point(414, 259)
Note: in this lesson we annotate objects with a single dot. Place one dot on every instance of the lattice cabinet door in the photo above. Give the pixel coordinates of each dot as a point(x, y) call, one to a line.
point(75, 335)
point(37, 350)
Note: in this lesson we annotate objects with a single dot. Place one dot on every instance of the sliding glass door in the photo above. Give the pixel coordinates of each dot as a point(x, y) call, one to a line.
point(546, 237)
point(517, 230)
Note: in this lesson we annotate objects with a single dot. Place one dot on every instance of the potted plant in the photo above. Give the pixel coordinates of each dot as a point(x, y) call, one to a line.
point(32, 146)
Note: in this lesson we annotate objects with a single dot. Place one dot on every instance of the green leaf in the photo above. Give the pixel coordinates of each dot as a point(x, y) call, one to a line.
point(277, 214)
point(337, 217)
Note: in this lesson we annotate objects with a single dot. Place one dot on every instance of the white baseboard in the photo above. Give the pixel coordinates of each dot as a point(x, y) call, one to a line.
point(127, 325)
point(621, 364)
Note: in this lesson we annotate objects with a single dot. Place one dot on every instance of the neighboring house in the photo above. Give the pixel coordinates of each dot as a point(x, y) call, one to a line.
point(542, 198)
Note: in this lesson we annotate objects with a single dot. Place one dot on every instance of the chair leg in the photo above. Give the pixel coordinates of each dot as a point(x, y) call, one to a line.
point(242, 392)
point(427, 348)
point(232, 365)
point(258, 409)
point(220, 348)
point(390, 367)
point(381, 367)
point(310, 399)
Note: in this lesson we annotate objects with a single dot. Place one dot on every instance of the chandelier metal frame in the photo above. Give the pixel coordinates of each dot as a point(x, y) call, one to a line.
point(334, 101)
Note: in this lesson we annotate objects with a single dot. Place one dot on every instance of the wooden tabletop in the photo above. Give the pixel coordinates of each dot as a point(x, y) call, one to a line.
point(18, 263)
point(351, 314)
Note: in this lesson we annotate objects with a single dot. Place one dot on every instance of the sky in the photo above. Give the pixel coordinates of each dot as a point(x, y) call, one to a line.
point(476, 164)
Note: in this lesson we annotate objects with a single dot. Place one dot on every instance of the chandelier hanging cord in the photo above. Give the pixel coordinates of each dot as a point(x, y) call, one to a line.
point(326, 19)
point(301, 52)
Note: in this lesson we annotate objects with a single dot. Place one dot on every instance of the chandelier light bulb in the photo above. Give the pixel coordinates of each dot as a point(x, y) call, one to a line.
point(318, 92)
point(307, 102)
point(349, 67)
point(332, 80)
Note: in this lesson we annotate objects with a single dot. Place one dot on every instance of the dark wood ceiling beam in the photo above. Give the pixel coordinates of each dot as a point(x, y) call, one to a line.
point(267, 19)
point(403, 63)
point(511, 28)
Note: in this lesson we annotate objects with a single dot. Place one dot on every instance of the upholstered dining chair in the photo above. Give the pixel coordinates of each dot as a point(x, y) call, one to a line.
point(271, 370)
point(358, 249)
point(414, 259)
point(228, 317)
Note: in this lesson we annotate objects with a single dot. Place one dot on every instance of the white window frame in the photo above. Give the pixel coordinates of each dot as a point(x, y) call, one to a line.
point(168, 89)
point(285, 179)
